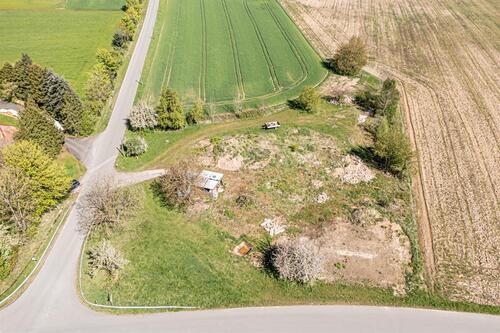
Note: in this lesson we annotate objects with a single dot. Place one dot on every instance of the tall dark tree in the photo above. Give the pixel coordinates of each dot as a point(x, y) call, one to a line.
point(170, 113)
point(36, 77)
point(21, 76)
point(37, 126)
point(55, 89)
point(388, 99)
point(6, 73)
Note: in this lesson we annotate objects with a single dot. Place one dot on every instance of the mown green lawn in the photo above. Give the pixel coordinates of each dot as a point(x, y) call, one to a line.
point(95, 4)
point(7, 120)
point(62, 39)
point(182, 262)
point(227, 51)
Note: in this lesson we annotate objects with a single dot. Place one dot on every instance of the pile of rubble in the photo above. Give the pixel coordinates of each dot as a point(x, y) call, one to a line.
point(353, 171)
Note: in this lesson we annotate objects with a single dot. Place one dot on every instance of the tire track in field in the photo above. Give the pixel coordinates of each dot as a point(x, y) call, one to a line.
point(293, 47)
point(236, 57)
point(204, 53)
point(272, 70)
point(171, 55)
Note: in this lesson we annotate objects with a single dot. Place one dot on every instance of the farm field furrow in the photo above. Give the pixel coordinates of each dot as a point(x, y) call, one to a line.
point(60, 38)
point(229, 51)
point(445, 54)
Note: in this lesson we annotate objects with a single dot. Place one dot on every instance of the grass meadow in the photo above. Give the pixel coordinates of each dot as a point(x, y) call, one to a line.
point(56, 36)
point(228, 52)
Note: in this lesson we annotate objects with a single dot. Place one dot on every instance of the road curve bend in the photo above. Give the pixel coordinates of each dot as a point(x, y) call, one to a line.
point(51, 303)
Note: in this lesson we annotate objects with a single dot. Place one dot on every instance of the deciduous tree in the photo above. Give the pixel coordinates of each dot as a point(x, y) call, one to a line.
point(98, 89)
point(309, 99)
point(350, 57)
point(47, 181)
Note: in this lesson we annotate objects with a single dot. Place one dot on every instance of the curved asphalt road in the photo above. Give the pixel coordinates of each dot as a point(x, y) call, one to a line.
point(51, 303)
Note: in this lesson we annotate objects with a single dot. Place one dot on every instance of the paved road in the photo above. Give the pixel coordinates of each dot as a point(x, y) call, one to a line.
point(51, 303)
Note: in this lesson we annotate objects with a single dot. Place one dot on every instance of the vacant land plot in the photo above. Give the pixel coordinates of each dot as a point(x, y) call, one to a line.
point(62, 39)
point(446, 56)
point(225, 52)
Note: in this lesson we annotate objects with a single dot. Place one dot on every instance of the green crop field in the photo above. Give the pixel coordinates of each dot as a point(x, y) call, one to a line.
point(227, 51)
point(95, 4)
point(62, 39)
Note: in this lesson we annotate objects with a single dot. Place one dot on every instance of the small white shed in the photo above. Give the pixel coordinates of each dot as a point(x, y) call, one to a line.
point(211, 182)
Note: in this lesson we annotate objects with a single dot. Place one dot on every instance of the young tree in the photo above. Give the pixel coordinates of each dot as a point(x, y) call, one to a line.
point(105, 257)
point(142, 116)
point(309, 99)
point(98, 89)
point(17, 206)
point(36, 125)
point(392, 148)
point(110, 60)
point(176, 186)
point(47, 181)
point(106, 206)
point(388, 100)
point(350, 57)
point(169, 110)
point(195, 114)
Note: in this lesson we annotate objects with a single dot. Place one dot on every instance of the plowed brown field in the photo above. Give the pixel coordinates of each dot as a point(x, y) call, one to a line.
point(446, 56)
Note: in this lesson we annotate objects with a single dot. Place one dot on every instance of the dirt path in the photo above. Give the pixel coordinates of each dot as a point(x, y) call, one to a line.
point(445, 53)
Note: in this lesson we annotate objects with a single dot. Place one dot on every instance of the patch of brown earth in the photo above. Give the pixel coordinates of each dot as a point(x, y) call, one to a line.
point(377, 254)
point(7, 134)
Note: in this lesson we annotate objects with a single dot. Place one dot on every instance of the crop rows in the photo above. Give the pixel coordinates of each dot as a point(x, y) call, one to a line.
point(225, 51)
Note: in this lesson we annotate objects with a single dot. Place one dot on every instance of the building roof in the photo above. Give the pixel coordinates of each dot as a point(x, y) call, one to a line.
point(209, 179)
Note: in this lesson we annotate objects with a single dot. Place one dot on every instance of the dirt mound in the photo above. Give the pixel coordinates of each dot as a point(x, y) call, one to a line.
point(377, 255)
point(353, 171)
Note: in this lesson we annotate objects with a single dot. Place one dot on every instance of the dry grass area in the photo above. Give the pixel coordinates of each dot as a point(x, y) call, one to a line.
point(445, 54)
point(302, 180)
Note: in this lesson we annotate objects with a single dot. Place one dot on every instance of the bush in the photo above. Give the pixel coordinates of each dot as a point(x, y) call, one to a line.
point(308, 100)
point(142, 116)
point(134, 146)
point(176, 186)
point(8, 243)
point(195, 114)
point(350, 57)
point(297, 261)
point(121, 39)
point(106, 206)
point(105, 257)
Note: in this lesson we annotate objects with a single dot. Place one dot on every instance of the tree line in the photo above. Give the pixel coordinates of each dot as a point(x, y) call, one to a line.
point(31, 181)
